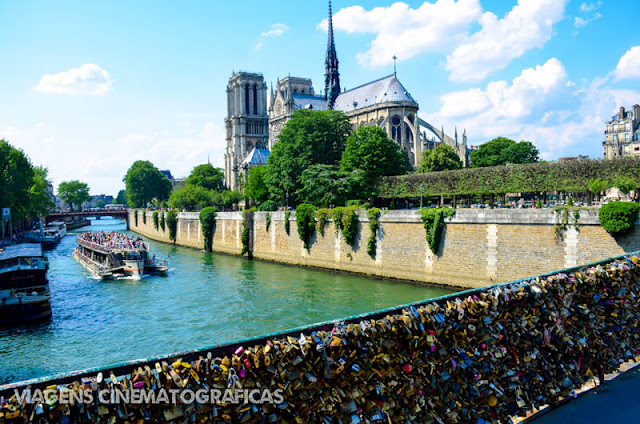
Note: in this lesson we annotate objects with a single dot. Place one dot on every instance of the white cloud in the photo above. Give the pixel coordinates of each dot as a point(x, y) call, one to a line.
point(405, 32)
point(629, 65)
point(528, 25)
point(276, 31)
point(587, 17)
point(541, 105)
point(87, 79)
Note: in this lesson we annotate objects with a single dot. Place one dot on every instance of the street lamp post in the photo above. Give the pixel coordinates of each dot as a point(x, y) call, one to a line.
point(421, 187)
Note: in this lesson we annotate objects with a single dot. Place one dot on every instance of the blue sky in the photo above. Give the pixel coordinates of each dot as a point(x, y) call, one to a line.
point(89, 87)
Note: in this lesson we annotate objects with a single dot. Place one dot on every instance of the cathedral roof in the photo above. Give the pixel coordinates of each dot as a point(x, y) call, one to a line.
point(383, 90)
point(256, 157)
point(306, 101)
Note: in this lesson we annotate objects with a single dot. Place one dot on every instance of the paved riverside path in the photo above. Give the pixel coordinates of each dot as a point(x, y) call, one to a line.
point(615, 402)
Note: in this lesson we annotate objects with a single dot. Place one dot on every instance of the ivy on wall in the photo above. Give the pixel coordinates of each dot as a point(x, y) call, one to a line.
point(135, 217)
point(156, 223)
point(268, 221)
point(305, 222)
point(322, 216)
point(346, 220)
point(144, 216)
point(208, 224)
point(563, 215)
point(172, 223)
point(374, 224)
point(162, 222)
point(287, 224)
point(247, 216)
point(433, 221)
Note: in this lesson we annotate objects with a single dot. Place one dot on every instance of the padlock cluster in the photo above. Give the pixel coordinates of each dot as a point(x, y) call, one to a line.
point(482, 356)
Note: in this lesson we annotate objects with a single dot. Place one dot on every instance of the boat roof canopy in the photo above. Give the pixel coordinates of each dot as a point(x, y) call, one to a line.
point(21, 251)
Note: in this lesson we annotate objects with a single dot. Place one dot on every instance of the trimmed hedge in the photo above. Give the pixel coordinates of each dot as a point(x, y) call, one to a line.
point(530, 178)
point(619, 217)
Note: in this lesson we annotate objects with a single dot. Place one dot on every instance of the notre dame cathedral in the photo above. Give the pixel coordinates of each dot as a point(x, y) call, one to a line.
point(252, 129)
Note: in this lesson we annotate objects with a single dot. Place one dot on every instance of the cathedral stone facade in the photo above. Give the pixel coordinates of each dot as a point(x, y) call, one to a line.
point(385, 103)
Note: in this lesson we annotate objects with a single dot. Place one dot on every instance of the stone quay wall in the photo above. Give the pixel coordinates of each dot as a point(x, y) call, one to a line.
point(484, 355)
point(478, 247)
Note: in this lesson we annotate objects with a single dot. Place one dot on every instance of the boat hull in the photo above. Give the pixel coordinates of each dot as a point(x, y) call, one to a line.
point(94, 269)
point(23, 277)
point(25, 311)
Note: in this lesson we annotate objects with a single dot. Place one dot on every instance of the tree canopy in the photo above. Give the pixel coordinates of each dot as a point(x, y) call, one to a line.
point(441, 158)
point(121, 198)
point(372, 151)
point(74, 193)
point(144, 182)
point(256, 188)
point(308, 138)
point(191, 197)
point(504, 151)
point(326, 185)
point(207, 176)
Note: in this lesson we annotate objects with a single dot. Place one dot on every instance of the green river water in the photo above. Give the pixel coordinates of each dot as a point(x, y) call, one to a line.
point(205, 299)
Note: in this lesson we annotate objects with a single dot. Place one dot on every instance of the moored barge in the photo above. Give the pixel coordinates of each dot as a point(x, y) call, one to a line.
point(24, 289)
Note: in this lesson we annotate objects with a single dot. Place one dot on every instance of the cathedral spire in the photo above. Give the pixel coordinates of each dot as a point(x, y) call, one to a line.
point(331, 76)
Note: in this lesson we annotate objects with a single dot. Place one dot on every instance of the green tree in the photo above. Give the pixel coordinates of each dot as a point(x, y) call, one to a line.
point(328, 185)
point(256, 187)
point(100, 203)
point(40, 200)
point(442, 158)
point(74, 193)
point(144, 182)
point(207, 176)
point(372, 151)
point(625, 184)
point(308, 138)
point(191, 197)
point(16, 179)
point(504, 151)
point(121, 198)
point(597, 186)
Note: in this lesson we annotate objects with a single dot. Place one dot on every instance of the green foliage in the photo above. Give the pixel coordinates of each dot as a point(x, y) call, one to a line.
point(247, 217)
point(372, 151)
point(74, 193)
point(327, 185)
point(225, 199)
point(619, 217)
point(322, 216)
point(144, 216)
point(207, 177)
point(208, 223)
point(256, 188)
point(433, 220)
point(504, 151)
point(172, 223)
point(442, 158)
point(570, 202)
point(308, 138)
point(191, 197)
point(156, 222)
point(135, 217)
point(374, 224)
point(287, 224)
point(598, 185)
point(163, 224)
point(16, 176)
point(563, 213)
point(121, 198)
point(539, 203)
point(306, 222)
point(569, 176)
point(345, 219)
point(625, 184)
point(268, 221)
point(268, 206)
point(144, 182)
point(100, 203)
point(40, 200)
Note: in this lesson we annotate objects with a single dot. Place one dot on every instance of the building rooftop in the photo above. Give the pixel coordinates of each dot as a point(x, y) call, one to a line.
point(256, 157)
point(383, 90)
point(306, 101)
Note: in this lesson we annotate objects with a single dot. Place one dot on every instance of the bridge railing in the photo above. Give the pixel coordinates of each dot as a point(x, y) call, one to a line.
point(91, 245)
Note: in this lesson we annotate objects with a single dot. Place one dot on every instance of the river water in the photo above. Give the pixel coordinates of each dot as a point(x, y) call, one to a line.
point(205, 299)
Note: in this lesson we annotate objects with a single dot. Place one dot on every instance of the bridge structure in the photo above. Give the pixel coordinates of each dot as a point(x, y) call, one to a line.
point(73, 216)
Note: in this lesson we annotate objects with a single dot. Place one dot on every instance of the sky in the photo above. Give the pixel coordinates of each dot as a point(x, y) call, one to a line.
point(87, 88)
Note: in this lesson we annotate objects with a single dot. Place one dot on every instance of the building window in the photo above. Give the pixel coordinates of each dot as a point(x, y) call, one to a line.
point(626, 136)
point(615, 127)
point(628, 126)
point(615, 137)
point(246, 100)
point(255, 99)
point(396, 129)
point(626, 149)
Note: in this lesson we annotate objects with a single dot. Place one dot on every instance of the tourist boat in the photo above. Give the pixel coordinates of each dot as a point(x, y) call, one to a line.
point(24, 289)
point(110, 255)
point(48, 238)
point(58, 226)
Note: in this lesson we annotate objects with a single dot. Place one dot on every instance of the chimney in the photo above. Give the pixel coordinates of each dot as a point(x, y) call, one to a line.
point(636, 112)
point(622, 112)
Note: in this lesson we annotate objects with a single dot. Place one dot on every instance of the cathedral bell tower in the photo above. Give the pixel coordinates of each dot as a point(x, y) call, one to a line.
point(331, 76)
